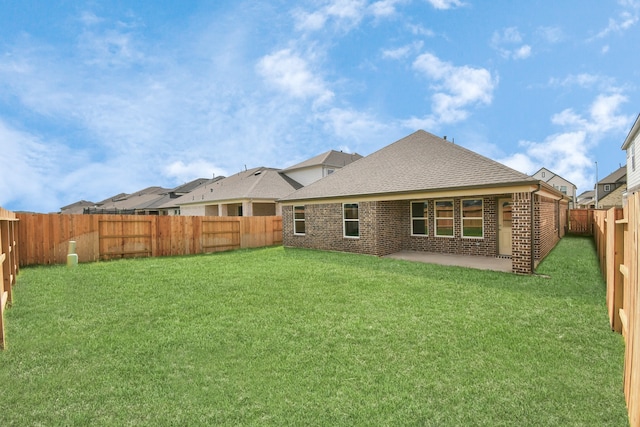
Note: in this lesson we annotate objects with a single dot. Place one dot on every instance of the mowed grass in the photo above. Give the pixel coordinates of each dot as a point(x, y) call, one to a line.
point(298, 337)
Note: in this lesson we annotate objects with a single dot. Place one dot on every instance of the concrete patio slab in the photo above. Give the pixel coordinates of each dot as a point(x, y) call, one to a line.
point(478, 262)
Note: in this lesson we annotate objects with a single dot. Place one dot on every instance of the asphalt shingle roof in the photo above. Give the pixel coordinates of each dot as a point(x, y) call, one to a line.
point(619, 175)
point(418, 162)
point(258, 183)
point(329, 158)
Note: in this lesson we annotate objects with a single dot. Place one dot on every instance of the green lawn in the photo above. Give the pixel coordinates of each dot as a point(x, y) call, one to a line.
point(297, 337)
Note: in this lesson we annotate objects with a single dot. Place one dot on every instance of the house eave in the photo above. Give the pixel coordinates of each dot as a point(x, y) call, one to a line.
point(228, 201)
point(632, 133)
point(522, 187)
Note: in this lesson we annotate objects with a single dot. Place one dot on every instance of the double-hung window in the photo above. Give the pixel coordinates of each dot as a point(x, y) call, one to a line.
point(298, 220)
point(444, 218)
point(351, 220)
point(419, 219)
point(472, 222)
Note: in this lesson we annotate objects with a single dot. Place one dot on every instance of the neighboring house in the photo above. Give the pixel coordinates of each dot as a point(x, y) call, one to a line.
point(423, 193)
point(144, 202)
point(586, 200)
point(167, 206)
point(610, 183)
point(249, 193)
point(139, 203)
point(558, 182)
point(319, 166)
point(614, 199)
point(631, 145)
point(77, 207)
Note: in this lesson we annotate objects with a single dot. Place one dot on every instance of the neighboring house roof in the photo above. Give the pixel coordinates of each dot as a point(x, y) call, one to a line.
point(418, 162)
point(192, 185)
point(632, 133)
point(331, 158)
point(618, 176)
point(614, 198)
point(552, 175)
point(258, 183)
point(586, 197)
point(77, 207)
point(112, 199)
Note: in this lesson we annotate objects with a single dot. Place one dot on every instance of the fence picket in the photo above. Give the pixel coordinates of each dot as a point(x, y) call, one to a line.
point(115, 236)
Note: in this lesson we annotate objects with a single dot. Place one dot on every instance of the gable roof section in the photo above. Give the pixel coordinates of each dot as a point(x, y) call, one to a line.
point(257, 183)
point(619, 175)
point(330, 158)
point(537, 175)
point(418, 162)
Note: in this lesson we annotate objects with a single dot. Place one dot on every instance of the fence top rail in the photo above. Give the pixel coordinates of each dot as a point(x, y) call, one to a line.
point(6, 215)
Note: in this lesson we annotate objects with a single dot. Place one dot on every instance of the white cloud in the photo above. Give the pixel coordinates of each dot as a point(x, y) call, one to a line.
point(625, 20)
point(351, 125)
point(445, 4)
point(185, 172)
point(550, 34)
point(290, 73)
point(344, 13)
point(567, 152)
point(522, 52)
point(419, 30)
point(520, 162)
point(509, 44)
point(457, 89)
point(384, 7)
point(403, 51)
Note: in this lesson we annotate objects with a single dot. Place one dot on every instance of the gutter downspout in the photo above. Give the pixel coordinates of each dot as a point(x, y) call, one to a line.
point(533, 224)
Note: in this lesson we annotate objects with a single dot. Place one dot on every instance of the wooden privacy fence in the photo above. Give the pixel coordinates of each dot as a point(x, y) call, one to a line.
point(45, 238)
point(616, 237)
point(9, 261)
point(581, 221)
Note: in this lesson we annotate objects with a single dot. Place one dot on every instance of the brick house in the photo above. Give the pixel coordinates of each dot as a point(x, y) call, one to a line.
point(424, 193)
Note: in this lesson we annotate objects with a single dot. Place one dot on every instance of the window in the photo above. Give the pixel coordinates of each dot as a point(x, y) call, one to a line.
point(444, 218)
point(298, 220)
point(351, 220)
point(633, 156)
point(419, 219)
point(563, 189)
point(607, 187)
point(472, 225)
point(543, 174)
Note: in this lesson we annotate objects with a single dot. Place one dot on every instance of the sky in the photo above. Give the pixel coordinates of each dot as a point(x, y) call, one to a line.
point(99, 98)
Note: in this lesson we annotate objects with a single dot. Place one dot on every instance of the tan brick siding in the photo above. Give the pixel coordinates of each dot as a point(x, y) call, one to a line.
point(385, 228)
point(457, 244)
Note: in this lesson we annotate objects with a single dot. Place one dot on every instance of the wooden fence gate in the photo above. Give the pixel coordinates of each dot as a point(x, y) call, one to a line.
point(581, 221)
point(9, 262)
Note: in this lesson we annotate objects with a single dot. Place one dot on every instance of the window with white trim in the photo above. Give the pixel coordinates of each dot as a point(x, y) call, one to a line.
point(298, 220)
point(444, 218)
point(351, 220)
point(607, 187)
point(419, 219)
point(472, 218)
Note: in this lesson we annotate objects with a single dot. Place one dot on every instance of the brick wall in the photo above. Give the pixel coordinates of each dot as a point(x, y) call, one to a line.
point(549, 228)
point(521, 233)
point(457, 244)
point(394, 225)
point(324, 230)
point(385, 228)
